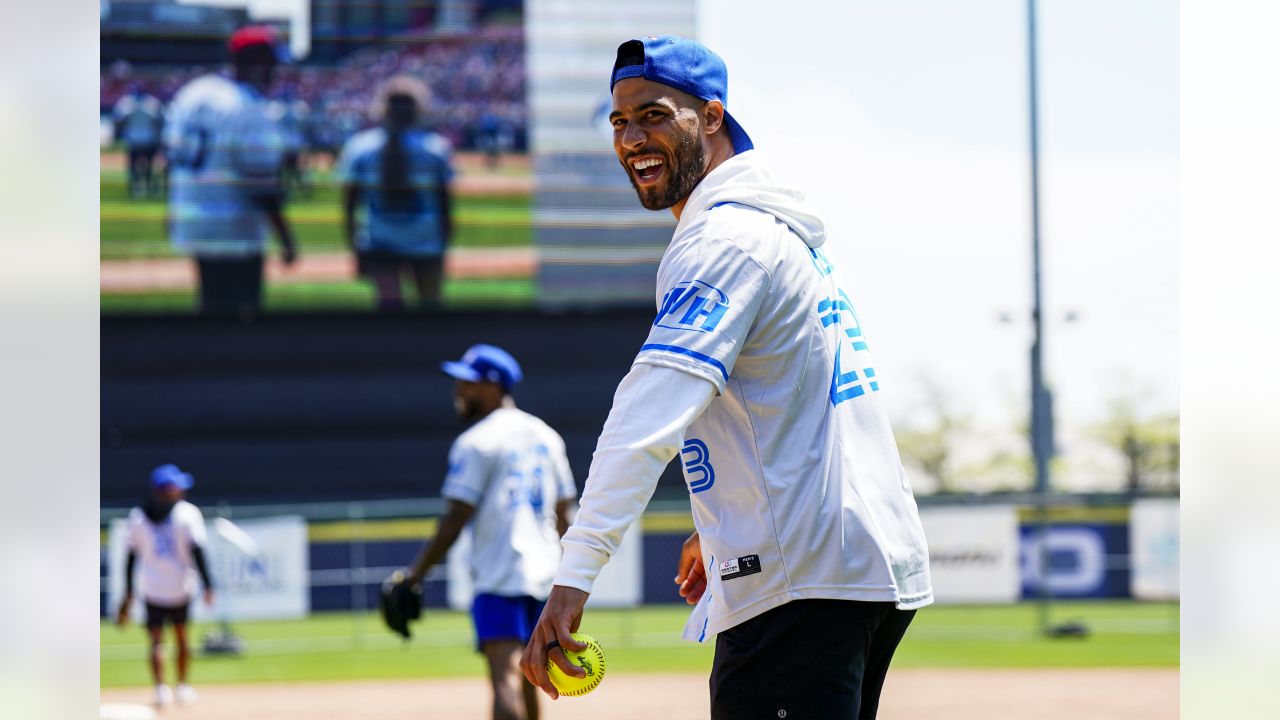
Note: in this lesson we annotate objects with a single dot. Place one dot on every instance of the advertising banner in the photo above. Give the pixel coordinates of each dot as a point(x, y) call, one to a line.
point(1082, 554)
point(1154, 541)
point(973, 553)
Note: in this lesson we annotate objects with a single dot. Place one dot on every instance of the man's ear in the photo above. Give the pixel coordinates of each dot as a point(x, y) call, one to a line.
point(713, 115)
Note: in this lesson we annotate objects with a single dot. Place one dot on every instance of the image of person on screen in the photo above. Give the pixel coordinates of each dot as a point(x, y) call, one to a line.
point(396, 199)
point(226, 151)
point(138, 122)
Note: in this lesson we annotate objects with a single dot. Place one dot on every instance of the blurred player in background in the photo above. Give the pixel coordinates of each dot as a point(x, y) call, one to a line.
point(226, 154)
point(294, 115)
point(509, 478)
point(397, 208)
point(138, 122)
point(810, 559)
point(166, 539)
point(493, 137)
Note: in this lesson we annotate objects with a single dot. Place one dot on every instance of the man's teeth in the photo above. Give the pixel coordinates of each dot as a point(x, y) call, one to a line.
point(646, 163)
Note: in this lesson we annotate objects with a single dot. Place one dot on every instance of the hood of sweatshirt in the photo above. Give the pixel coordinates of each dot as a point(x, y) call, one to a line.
point(742, 179)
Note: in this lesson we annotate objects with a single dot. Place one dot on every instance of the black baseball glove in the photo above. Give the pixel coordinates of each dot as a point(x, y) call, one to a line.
point(401, 602)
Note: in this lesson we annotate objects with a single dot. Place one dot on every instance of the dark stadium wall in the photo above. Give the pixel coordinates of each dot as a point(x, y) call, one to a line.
point(337, 407)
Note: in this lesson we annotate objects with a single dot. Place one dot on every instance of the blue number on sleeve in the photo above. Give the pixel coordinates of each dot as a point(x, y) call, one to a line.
point(193, 150)
point(845, 384)
point(698, 463)
point(820, 262)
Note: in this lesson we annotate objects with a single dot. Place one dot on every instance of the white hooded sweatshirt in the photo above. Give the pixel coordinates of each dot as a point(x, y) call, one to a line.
point(757, 372)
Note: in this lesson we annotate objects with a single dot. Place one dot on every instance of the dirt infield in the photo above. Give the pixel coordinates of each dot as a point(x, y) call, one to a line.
point(953, 694)
point(122, 276)
point(474, 177)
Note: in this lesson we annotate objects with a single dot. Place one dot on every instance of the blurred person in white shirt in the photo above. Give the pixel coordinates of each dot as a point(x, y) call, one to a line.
point(166, 541)
point(510, 482)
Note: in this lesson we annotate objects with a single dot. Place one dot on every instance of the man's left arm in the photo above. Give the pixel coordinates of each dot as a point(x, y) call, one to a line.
point(258, 160)
point(198, 536)
point(563, 508)
point(122, 612)
point(645, 427)
point(446, 210)
point(450, 527)
point(567, 490)
point(202, 567)
point(273, 207)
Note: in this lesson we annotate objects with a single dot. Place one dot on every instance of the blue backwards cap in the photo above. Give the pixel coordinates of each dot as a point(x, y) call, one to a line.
point(685, 65)
point(485, 363)
point(170, 475)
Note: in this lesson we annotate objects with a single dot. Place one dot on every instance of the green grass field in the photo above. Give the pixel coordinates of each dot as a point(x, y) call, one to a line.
point(133, 229)
point(342, 646)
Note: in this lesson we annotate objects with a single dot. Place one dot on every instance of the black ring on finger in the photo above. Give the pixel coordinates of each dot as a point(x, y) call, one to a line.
point(552, 644)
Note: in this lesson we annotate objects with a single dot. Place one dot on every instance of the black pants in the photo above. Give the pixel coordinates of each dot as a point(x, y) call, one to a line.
point(141, 159)
point(230, 287)
point(821, 659)
point(158, 615)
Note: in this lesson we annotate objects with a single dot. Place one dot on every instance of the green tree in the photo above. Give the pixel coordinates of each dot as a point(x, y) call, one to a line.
point(930, 444)
point(1148, 443)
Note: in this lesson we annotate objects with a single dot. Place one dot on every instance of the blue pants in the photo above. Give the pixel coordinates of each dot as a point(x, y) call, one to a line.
point(498, 617)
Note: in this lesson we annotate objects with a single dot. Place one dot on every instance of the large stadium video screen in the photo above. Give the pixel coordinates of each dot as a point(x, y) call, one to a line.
point(448, 224)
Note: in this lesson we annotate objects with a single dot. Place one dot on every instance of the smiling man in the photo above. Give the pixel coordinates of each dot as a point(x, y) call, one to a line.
point(809, 559)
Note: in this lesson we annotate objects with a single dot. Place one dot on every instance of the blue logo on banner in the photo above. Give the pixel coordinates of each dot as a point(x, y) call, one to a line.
point(698, 463)
point(1075, 560)
point(692, 305)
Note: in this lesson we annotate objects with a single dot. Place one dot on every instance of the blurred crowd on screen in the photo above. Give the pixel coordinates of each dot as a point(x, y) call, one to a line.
point(477, 83)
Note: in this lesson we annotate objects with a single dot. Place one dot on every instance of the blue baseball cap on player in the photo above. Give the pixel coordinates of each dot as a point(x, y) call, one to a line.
point(485, 363)
point(169, 474)
point(685, 65)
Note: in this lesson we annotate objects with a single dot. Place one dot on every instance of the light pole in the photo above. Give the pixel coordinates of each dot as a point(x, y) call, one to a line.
point(1041, 400)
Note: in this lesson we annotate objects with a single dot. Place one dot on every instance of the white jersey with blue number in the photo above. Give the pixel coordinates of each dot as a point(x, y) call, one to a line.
point(797, 487)
point(512, 468)
point(225, 149)
point(167, 573)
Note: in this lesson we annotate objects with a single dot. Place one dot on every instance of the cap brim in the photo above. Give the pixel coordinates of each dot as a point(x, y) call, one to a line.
point(184, 482)
point(280, 51)
point(460, 371)
point(741, 141)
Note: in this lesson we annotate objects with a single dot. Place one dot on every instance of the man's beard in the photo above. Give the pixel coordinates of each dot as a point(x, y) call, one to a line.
point(684, 172)
point(466, 411)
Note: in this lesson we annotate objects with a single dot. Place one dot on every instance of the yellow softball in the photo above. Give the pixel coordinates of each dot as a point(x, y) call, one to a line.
point(590, 660)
